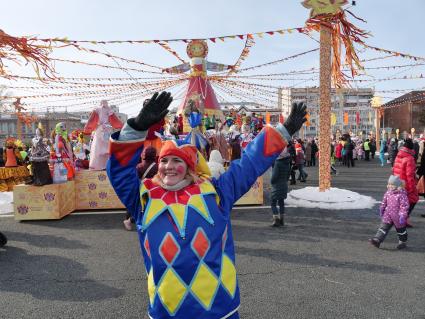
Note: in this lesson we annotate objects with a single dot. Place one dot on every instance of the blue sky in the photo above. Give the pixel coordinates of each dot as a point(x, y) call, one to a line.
point(395, 25)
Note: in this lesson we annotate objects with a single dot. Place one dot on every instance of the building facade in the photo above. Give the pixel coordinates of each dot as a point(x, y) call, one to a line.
point(405, 112)
point(351, 109)
point(72, 120)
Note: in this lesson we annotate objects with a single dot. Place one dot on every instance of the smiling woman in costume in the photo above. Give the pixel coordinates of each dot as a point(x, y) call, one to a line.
point(183, 218)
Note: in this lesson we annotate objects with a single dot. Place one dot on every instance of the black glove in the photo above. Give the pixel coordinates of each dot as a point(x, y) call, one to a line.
point(152, 112)
point(296, 118)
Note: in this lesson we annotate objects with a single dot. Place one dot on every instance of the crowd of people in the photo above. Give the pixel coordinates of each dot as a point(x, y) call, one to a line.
point(184, 190)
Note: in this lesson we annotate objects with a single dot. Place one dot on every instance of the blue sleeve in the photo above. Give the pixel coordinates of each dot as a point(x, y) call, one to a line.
point(257, 157)
point(121, 169)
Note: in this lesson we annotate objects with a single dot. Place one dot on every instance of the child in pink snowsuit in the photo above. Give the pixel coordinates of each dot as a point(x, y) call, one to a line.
point(394, 209)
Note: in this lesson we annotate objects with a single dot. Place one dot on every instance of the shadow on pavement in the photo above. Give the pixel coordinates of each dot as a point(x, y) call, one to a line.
point(48, 241)
point(313, 225)
point(50, 277)
point(84, 222)
point(314, 260)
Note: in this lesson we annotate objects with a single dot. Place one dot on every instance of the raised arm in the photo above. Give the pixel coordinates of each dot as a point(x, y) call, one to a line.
point(91, 124)
point(217, 67)
point(126, 147)
point(181, 68)
point(257, 157)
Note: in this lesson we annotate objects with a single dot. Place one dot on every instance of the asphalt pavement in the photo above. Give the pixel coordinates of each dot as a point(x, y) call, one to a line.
point(319, 265)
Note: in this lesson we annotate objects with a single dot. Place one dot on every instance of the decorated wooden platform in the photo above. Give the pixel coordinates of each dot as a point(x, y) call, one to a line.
point(52, 201)
point(94, 191)
point(254, 196)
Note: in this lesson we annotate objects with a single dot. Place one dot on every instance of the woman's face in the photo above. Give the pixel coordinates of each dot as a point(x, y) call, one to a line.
point(172, 169)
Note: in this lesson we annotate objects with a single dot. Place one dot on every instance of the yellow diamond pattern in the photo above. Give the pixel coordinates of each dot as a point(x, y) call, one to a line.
point(143, 190)
point(228, 275)
point(179, 212)
point(204, 286)
point(151, 286)
point(155, 209)
point(198, 204)
point(207, 188)
point(171, 291)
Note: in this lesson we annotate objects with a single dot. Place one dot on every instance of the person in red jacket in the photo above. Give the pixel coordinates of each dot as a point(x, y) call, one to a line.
point(405, 168)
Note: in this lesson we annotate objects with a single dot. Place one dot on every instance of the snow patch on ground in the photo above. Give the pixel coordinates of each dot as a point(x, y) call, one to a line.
point(6, 203)
point(334, 198)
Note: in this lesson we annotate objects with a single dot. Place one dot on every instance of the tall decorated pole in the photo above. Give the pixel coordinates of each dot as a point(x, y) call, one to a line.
point(327, 17)
point(325, 108)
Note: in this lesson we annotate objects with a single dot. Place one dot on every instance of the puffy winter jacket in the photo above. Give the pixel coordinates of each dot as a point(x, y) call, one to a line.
point(405, 167)
point(395, 204)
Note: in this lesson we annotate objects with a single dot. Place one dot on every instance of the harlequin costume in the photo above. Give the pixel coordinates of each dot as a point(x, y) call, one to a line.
point(186, 235)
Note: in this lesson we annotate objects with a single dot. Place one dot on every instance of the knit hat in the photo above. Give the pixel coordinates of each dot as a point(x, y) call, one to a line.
point(408, 143)
point(394, 180)
point(186, 152)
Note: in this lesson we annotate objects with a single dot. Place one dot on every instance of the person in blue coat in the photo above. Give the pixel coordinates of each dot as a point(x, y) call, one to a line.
point(183, 218)
point(382, 149)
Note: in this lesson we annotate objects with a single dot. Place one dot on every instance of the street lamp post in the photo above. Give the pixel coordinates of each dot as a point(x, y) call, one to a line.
point(376, 104)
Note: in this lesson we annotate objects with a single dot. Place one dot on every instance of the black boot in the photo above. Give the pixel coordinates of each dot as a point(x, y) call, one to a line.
point(276, 221)
point(3, 240)
point(375, 242)
point(401, 245)
point(282, 220)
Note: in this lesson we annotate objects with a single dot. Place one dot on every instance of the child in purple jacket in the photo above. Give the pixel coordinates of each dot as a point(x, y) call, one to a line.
point(394, 209)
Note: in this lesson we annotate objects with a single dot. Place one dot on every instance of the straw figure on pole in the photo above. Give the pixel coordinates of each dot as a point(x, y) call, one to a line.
point(327, 17)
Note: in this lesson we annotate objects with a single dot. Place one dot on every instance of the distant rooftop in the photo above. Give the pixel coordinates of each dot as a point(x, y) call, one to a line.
point(413, 96)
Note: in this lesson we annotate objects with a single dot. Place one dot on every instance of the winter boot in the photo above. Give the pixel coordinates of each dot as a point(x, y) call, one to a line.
point(276, 221)
point(401, 245)
point(3, 240)
point(380, 234)
point(375, 242)
point(127, 224)
point(282, 220)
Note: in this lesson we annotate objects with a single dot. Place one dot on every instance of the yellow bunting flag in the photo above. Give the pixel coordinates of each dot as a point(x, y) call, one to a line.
point(333, 118)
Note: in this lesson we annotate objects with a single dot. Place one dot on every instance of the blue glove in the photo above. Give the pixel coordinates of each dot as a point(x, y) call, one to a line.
point(402, 220)
point(381, 212)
